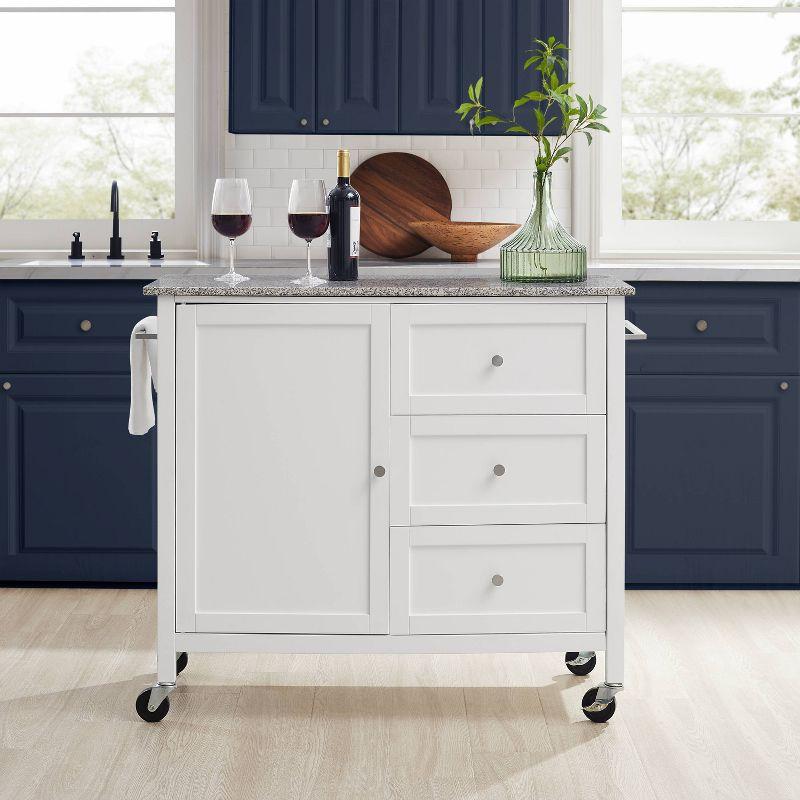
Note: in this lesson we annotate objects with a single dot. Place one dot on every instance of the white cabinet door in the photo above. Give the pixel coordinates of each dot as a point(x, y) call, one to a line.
point(498, 579)
point(502, 469)
point(282, 416)
point(491, 358)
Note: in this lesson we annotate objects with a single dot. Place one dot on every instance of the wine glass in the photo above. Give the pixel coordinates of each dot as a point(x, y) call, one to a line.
point(231, 216)
point(308, 219)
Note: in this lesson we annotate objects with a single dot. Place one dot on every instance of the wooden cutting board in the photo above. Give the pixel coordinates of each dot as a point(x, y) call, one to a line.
point(395, 189)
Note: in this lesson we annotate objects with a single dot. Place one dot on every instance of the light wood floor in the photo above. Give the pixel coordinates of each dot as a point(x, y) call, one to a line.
point(711, 711)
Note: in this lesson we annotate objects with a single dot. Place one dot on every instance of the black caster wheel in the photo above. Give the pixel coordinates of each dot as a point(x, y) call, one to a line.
point(181, 662)
point(597, 716)
point(151, 716)
point(582, 669)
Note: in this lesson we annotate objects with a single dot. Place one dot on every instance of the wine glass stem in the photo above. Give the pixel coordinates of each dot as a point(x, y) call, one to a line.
point(231, 271)
point(308, 256)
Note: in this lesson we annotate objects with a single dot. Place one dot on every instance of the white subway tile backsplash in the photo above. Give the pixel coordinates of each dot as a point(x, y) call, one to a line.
point(305, 158)
point(323, 141)
point(359, 142)
point(394, 142)
point(271, 197)
point(446, 159)
point(498, 214)
point(428, 143)
point(273, 157)
point(476, 198)
point(467, 142)
point(516, 159)
point(282, 178)
point(515, 198)
point(255, 177)
point(277, 235)
point(466, 214)
point(251, 141)
point(463, 178)
point(238, 159)
point(482, 159)
point(498, 178)
point(291, 141)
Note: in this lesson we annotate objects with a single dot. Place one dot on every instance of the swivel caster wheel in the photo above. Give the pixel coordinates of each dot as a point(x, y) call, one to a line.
point(602, 714)
point(181, 662)
point(145, 713)
point(580, 663)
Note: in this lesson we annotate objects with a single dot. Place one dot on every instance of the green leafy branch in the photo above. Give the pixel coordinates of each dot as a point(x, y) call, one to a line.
point(577, 115)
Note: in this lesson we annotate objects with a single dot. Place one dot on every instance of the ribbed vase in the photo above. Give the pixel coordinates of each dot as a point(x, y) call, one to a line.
point(542, 250)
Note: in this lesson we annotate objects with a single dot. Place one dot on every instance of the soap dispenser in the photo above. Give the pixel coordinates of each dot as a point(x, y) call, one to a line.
point(76, 246)
point(155, 247)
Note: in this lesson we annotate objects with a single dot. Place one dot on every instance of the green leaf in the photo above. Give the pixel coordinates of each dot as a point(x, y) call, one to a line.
point(517, 129)
point(471, 93)
point(539, 119)
point(588, 136)
point(597, 126)
point(548, 150)
point(584, 110)
point(489, 119)
point(562, 151)
point(464, 107)
point(530, 61)
point(554, 81)
point(478, 87)
point(521, 101)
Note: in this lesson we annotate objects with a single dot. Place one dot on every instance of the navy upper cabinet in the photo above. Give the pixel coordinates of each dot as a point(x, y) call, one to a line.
point(272, 66)
point(357, 83)
point(441, 53)
point(379, 66)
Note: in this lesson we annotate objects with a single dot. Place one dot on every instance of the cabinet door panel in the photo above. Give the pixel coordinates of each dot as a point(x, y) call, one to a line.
point(712, 480)
point(442, 41)
point(78, 491)
point(357, 83)
point(272, 65)
point(283, 413)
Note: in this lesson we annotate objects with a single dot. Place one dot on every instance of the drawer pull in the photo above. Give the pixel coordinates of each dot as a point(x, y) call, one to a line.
point(7, 385)
point(497, 580)
point(379, 471)
point(783, 385)
point(326, 121)
point(701, 325)
point(303, 121)
point(497, 361)
point(86, 325)
point(499, 470)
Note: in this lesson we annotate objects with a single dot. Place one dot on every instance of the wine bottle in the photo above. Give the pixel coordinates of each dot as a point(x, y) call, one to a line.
point(344, 206)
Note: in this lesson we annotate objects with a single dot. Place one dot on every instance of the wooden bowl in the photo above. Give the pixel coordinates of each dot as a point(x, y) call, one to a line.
point(463, 240)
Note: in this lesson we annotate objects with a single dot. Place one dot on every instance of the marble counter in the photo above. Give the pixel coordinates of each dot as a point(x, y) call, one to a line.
point(388, 285)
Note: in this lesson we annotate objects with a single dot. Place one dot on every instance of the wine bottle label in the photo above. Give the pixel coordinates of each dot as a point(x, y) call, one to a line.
point(355, 230)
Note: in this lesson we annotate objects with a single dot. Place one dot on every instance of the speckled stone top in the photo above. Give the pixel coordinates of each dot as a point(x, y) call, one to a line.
point(388, 286)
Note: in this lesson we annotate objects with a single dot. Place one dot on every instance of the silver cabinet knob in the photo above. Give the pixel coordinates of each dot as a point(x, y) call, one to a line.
point(379, 471)
point(303, 121)
point(701, 325)
point(7, 385)
point(783, 385)
point(499, 470)
point(326, 121)
point(86, 325)
point(497, 580)
point(497, 361)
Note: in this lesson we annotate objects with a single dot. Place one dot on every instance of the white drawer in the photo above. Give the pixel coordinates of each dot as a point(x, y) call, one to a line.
point(499, 359)
point(444, 470)
point(444, 579)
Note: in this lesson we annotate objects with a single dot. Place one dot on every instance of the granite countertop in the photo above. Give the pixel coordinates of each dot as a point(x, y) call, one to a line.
point(389, 285)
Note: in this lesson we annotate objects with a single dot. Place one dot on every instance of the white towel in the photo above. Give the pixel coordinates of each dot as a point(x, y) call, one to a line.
point(144, 369)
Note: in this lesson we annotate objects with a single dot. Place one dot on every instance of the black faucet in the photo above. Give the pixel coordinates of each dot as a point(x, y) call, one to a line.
point(115, 243)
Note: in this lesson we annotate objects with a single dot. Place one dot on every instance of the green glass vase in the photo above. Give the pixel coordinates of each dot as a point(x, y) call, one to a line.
point(542, 250)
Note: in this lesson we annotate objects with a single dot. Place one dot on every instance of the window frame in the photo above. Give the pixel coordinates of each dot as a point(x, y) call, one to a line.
point(43, 238)
point(597, 176)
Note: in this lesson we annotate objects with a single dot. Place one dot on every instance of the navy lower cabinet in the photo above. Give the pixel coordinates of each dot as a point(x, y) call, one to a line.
point(713, 443)
point(77, 492)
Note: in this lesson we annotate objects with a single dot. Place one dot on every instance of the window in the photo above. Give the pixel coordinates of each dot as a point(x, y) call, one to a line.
point(93, 92)
point(704, 101)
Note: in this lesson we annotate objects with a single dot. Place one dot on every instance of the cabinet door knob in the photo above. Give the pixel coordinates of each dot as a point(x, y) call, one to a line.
point(303, 121)
point(701, 325)
point(86, 325)
point(783, 385)
point(497, 361)
point(497, 580)
point(379, 471)
point(499, 470)
point(326, 121)
point(6, 385)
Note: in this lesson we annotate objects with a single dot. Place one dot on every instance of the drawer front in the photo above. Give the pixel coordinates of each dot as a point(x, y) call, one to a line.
point(499, 359)
point(498, 579)
point(63, 326)
point(715, 328)
point(478, 470)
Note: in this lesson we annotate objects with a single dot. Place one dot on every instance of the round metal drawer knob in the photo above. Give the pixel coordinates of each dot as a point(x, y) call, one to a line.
point(6, 385)
point(326, 121)
point(379, 471)
point(303, 121)
point(497, 361)
point(497, 580)
point(783, 385)
point(701, 325)
point(86, 325)
point(499, 470)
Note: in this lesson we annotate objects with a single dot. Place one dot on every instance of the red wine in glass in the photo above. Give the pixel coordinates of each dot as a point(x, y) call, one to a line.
point(308, 225)
point(232, 225)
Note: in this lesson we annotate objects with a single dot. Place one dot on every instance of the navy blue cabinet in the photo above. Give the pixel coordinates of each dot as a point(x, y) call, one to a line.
point(379, 66)
point(77, 492)
point(713, 435)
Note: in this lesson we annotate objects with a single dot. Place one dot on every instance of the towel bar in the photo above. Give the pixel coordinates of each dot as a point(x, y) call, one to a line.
point(146, 336)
